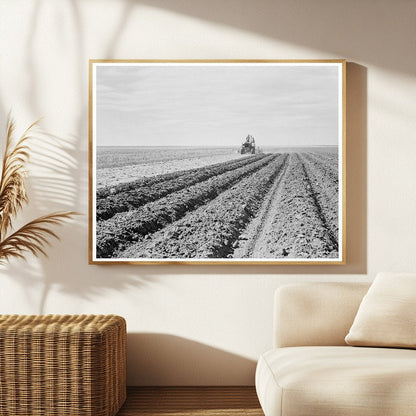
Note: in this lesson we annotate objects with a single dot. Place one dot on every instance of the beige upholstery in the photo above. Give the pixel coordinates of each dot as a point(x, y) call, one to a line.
point(307, 376)
point(337, 381)
point(315, 313)
point(387, 314)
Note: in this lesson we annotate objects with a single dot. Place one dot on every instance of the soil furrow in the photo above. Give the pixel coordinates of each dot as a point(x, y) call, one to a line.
point(293, 226)
point(325, 191)
point(327, 165)
point(135, 194)
point(254, 235)
point(211, 230)
point(150, 180)
point(125, 228)
point(322, 209)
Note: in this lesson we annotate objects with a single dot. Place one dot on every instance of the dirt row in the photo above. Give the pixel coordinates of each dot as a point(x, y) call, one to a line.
point(291, 224)
point(124, 228)
point(211, 230)
point(111, 177)
point(135, 194)
point(266, 206)
point(324, 185)
point(327, 163)
point(144, 180)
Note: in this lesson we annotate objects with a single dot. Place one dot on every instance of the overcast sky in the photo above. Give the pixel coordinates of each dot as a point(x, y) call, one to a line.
point(216, 105)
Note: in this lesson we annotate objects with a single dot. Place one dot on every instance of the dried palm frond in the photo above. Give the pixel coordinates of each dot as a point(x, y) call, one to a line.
point(12, 182)
point(32, 237)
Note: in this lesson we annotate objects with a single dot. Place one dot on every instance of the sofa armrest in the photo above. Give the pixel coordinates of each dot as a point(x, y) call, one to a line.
point(315, 313)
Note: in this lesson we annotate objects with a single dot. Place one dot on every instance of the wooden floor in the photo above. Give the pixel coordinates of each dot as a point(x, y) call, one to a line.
point(187, 401)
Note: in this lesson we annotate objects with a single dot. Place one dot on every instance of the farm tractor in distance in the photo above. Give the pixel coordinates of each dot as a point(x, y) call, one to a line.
point(248, 146)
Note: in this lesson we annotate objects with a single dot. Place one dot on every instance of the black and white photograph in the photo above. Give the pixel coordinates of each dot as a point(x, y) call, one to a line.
point(217, 162)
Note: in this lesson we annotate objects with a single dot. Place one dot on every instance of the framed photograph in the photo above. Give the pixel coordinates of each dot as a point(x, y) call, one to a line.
point(217, 162)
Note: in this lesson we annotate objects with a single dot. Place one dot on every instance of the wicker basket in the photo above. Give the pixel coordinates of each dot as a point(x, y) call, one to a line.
point(52, 365)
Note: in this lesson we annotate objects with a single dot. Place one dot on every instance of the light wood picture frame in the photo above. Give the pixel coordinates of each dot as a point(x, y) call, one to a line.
point(217, 162)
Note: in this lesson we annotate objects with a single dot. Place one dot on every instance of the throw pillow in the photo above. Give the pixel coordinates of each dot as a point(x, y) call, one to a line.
point(387, 314)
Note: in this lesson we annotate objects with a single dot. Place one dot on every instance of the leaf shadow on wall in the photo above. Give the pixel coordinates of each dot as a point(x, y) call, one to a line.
point(60, 182)
point(164, 359)
point(337, 28)
point(66, 184)
point(53, 186)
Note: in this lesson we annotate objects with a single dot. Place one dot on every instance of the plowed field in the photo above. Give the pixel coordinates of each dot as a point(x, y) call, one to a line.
point(266, 206)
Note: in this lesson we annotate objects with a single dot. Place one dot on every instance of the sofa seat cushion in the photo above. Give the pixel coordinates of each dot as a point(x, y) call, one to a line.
point(341, 381)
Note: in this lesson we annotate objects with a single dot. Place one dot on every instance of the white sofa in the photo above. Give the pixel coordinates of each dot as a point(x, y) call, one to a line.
point(312, 371)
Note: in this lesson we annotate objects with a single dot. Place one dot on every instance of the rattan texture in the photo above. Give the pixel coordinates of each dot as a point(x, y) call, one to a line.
point(56, 365)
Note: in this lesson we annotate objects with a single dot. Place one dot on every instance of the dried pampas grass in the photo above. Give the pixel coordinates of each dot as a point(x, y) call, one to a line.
point(34, 236)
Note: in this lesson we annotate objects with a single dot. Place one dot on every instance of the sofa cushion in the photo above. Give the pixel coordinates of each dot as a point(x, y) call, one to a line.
point(342, 381)
point(387, 314)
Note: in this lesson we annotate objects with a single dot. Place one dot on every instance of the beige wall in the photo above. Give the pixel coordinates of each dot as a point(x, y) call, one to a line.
point(204, 325)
